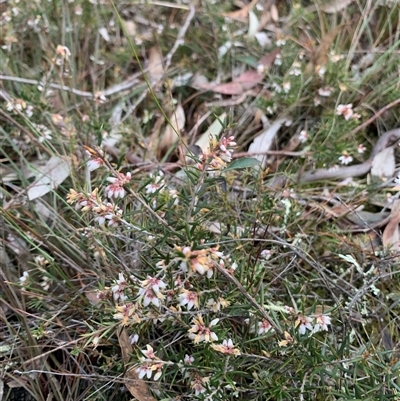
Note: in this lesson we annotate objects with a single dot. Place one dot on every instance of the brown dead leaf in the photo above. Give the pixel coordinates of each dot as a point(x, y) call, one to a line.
point(242, 14)
point(391, 234)
point(130, 28)
point(267, 60)
point(92, 297)
point(319, 56)
point(229, 88)
point(155, 65)
point(137, 387)
point(171, 133)
point(125, 344)
point(264, 19)
point(274, 13)
point(248, 80)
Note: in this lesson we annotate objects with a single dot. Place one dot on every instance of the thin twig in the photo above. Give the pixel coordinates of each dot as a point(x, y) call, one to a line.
point(23, 129)
point(179, 39)
point(373, 118)
point(124, 85)
point(167, 62)
point(252, 301)
point(270, 152)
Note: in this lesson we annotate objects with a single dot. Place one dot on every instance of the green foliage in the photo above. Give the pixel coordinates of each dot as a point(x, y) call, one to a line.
point(227, 286)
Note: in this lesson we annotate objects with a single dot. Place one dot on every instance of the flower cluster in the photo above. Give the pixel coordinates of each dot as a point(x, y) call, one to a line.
point(119, 288)
point(314, 323)
point(127, 314)
point(217, 155)
point(116, 188)
point(199, 383)
point(200, 332)
point(346, 158)
point(346, 110)
point(94, 162)
point(199, 261)
point(150, 364)
point(150, 291)
point(226, 347)
point(189, 298)
point(62, 54)
point(261, 327)
point(157, 184)
point(19, 105)
point(92, 202)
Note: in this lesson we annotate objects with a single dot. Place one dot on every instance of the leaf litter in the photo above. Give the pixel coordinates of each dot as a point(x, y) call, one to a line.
point(53, 174)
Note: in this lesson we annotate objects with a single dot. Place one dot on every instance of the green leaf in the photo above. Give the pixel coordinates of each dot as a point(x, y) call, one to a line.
point(246, 162)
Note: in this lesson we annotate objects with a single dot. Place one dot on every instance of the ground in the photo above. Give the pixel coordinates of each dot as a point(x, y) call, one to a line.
point(199, 200)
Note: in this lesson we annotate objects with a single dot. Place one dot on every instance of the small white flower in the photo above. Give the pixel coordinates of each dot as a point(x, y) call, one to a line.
point(94, 164)
point(322, 322)
point(23, 279)
point(361, 148)
point(345, 158)
point(304, 324)
point(157, 185)
point(278, 60)
point(45, 283)
point(345, 110)
point(149, 297)
point(334, 58)
point(287, 86)
point(264, 327)
point(133, 338)
point(119, 287)
point(276, 87)
point(144, 370)
point(326, 91)
point(296, 69)
point(29, 111)
point(149, 352)
point(266, 254)
point(189, 298)
point(63, 51)
point(321, 71)
point(226, 347)
point(303, 136)
point(188, 359)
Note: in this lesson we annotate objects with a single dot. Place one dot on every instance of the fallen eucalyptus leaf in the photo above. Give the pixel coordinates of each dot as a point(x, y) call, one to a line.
point(49, 177)
point(213, 131)
point(384, 164)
